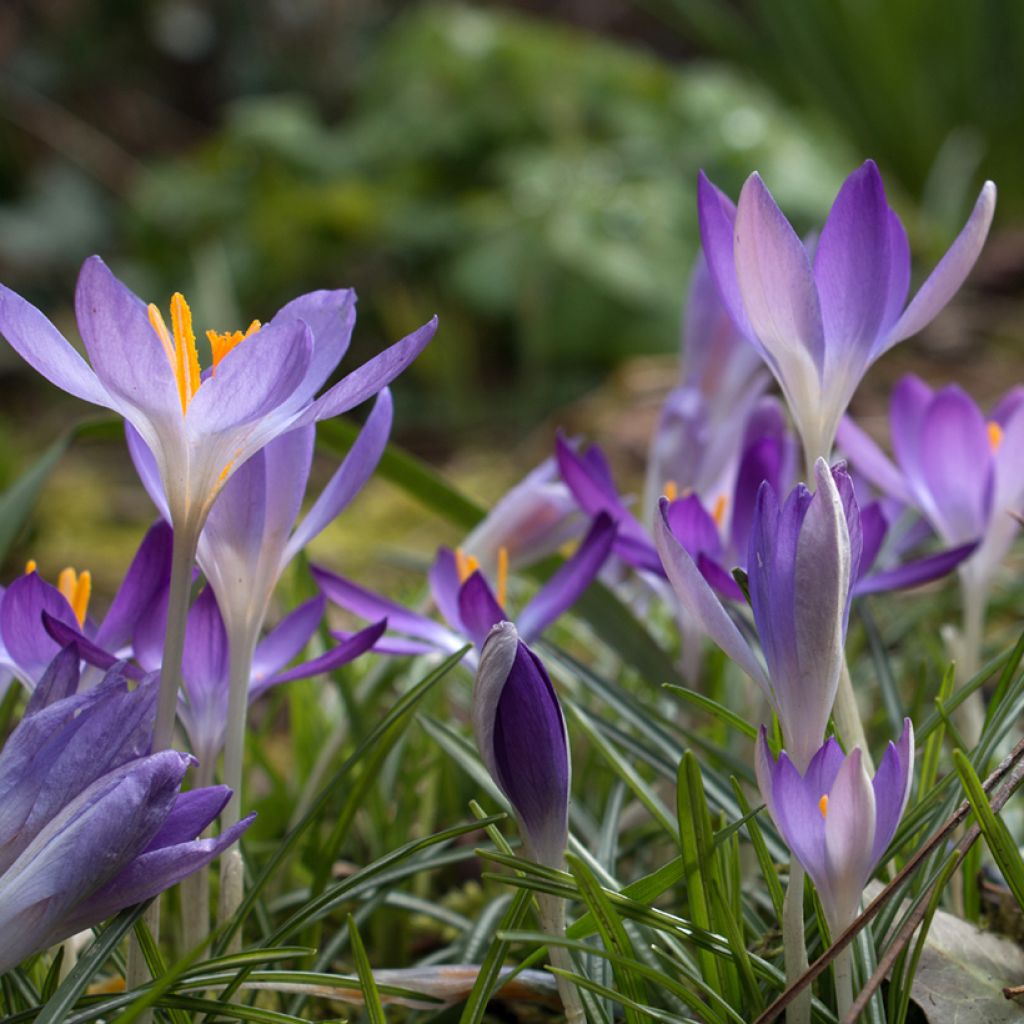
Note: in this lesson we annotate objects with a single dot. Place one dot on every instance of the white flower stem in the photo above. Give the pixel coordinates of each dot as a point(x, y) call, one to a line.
point(848, 720)
point(794, 948)
point(842, 967)
point(195, 889)
point(241, 647)
point(970, 716)
point(552, 919)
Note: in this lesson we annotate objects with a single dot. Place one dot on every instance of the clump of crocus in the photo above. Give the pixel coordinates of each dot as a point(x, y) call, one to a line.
point(963, 472)
point(837, 821)
point(821, 319)
point(92, 822)
point(802, 559)
point(521, 735)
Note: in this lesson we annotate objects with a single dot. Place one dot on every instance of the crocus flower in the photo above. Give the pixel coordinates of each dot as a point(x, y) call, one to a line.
point(202, 425)
point(836, 820)
point(466, 601)
point(28, 645)
point(960, 469)
point(801, 561)
point(521, 735)
point(698, 436)
point(820, 320)
point(203, 705)
point(91, 822)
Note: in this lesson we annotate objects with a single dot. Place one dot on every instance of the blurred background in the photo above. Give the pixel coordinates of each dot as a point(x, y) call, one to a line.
point(525, 170)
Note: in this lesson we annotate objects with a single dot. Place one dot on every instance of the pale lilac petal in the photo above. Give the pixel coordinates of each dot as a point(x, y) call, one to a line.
point(950, 273)
point(288, 638)
point(899, 278)
point(148, 470)
point(1008, 405)
point(478, 608)
point(350, 477)
point(701, 604)
point(853, 267)
point(253, 379)
point(124, 349)
point(798, 817)
point(910, 401)
point(46, 350)
point(399, 646)
point(445, 584)
point(205, 664)
point(873, 527)
point(371, 377)
point(870, 461)
point(568, 583)
point(892, 789)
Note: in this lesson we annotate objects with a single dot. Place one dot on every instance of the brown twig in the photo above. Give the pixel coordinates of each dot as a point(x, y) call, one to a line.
point(1013, 767)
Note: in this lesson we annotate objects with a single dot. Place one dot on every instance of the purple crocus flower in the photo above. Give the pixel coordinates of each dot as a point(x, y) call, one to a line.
point(27, 644)
point(821, 319)
point(836, 820)
point(466, 601)
point(91, 822)
point(201, 426)
point(960, 469)
point(802, 558)
point(521, 735)
point(203, 705)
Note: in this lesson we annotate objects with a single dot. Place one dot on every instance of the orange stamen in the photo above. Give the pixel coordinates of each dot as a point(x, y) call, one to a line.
point(718, 512)
point(995, 435)
point(30, 566)
point(222, 342)
point(502, 575)
point(823, 805)
point(671, 490)
point(465, 564)
point(77, 589)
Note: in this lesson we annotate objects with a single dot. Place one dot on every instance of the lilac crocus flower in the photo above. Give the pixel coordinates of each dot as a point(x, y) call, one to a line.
point(91, 822)
point(820, 320)
point(466, 601)
point(521, 735)
point(27, 642)
point(201, 426)
point(836, 820)
point(802, 559)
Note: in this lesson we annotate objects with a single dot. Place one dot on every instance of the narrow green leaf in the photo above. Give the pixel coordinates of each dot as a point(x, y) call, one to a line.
point(371, 997)
point(764, 860)
point(716, 710)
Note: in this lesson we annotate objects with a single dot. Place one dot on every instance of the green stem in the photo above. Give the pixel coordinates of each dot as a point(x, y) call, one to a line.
point(241, 647)
point(552, 920)
point(794, 948)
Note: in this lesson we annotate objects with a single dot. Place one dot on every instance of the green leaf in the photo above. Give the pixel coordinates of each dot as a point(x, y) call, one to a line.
point(371, 997)
point(716, 710)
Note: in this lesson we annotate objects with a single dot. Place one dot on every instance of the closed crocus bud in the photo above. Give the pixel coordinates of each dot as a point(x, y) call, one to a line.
point(520, 731)
point(835, 818)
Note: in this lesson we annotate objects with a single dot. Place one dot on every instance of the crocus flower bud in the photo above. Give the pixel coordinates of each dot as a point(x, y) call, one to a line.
point(520, 732)
point(835, 819)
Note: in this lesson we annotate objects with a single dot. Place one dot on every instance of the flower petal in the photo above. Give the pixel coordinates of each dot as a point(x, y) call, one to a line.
point(478, 608)
point(287, 638)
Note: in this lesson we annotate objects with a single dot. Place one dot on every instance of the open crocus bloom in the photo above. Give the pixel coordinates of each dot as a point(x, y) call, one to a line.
point(201, 425)
point(836, 820)
point(802, 559)
point(521, 735)
point(91, 822)
point(962, 470)
point(819, 321)
point(466, 601)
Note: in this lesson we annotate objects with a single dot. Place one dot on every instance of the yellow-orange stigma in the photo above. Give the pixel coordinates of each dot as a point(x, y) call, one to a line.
point(995, 435)
point(31, 566)
point(180, 345)
point(718, 512)
point(465, 565)
point(77, 589)
point(671, 490)
point(823, 806)
point(502, 575)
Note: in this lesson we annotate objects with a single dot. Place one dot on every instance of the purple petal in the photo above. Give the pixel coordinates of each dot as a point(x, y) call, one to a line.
point(253, 379)
point(191, 813)
point(521, 734)
point(870, 461)
point(205, 664)
point(287, 638)
point(148, 470)
point(699, 601)
point(28, 643)
point(372, 376)
point(568, 583)
point(873, 527)
point(776, 283)
point(899, 277)
point(478, 608)
point(148, 574)
point(123, 347)
point(63, 634)
point(693, 527)
point(46, 350)
point(914, 574)
point(357, 644)
point(60, 680)
point(719, 578)
point(445, 585)
point(892, 789)
point(398, 645)
point(353, 473)
point(951, 271)
point(853, 267)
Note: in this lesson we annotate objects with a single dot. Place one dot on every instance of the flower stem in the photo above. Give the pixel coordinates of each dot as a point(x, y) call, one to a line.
point(971, 714)
point(843, 976)
point(794, 948)
point(848, 721)
point(195, 889)
point(241, 648)
point(552, 920)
